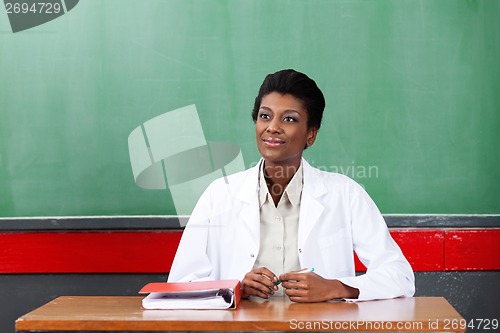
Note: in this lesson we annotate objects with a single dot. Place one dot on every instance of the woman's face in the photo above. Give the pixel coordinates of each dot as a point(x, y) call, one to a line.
point(281, 129)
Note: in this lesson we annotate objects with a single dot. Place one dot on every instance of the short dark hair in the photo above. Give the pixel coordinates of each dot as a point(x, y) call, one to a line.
point(299, 85)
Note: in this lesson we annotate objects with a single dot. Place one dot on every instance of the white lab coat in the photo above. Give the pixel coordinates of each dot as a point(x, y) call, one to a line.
point(337, 217)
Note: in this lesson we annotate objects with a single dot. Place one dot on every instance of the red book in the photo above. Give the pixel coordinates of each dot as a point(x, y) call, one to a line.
point(215, 294)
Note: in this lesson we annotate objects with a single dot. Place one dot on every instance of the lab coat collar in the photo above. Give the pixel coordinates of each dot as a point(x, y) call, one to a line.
point(313, 183)
point(249, 213)
point(249, 190)
point(311, 207)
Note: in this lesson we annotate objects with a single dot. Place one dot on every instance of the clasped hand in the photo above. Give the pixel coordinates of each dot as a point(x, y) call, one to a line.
point(299, 286)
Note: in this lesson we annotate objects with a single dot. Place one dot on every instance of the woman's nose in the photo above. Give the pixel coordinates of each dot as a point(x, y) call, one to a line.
point(274, 126)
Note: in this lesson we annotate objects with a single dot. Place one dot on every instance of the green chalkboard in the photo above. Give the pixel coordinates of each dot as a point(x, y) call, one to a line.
point(412, 89)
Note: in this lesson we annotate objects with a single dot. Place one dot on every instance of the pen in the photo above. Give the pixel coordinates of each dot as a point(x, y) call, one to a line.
point(304, 270)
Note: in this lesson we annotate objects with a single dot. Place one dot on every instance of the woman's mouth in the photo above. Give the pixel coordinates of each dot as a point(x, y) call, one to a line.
point(273, 142)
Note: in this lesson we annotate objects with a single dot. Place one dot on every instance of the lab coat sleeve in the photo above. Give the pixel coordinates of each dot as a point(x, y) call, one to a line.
point(191, 262)
point(388, 274)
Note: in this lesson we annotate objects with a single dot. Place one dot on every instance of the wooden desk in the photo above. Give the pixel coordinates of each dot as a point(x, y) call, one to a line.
point(278, 314)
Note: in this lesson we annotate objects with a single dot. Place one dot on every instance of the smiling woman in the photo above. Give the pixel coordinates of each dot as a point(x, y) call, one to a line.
point(275, 214)
point(282, 130)
point(282, 133)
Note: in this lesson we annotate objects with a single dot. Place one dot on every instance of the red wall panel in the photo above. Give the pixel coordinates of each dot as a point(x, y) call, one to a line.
point(88, 252)
point(472, 249)
point(424, 249)
point(153, 251)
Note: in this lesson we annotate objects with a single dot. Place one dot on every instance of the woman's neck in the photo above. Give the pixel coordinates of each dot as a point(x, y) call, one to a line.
point(277, 178)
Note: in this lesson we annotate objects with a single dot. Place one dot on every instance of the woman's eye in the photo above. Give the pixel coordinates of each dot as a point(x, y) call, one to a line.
point(289, 118)
point(264, 116)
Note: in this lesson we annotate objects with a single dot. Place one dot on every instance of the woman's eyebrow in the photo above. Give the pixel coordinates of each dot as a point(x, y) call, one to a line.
point(285, 111)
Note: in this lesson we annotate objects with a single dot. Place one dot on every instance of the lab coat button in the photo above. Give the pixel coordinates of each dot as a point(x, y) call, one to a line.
point(300, 250)
point(252, 255)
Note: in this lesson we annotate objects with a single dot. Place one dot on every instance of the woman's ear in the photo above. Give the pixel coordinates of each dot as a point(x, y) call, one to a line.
point(311, 136)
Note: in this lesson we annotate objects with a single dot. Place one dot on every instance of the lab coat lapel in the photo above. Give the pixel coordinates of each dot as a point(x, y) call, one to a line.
point(250, 204)
point(311, 207)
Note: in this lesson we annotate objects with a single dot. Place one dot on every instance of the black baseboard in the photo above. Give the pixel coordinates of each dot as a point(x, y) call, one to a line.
point(173, 222)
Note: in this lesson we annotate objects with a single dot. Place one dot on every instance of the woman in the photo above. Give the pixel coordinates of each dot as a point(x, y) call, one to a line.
point(267, 223)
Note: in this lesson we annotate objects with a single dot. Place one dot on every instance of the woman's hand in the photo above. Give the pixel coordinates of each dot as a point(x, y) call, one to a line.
point(259, 282)
point(310, 287)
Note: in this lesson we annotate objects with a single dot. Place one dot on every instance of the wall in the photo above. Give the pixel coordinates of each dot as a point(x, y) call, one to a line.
point(411, 89)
